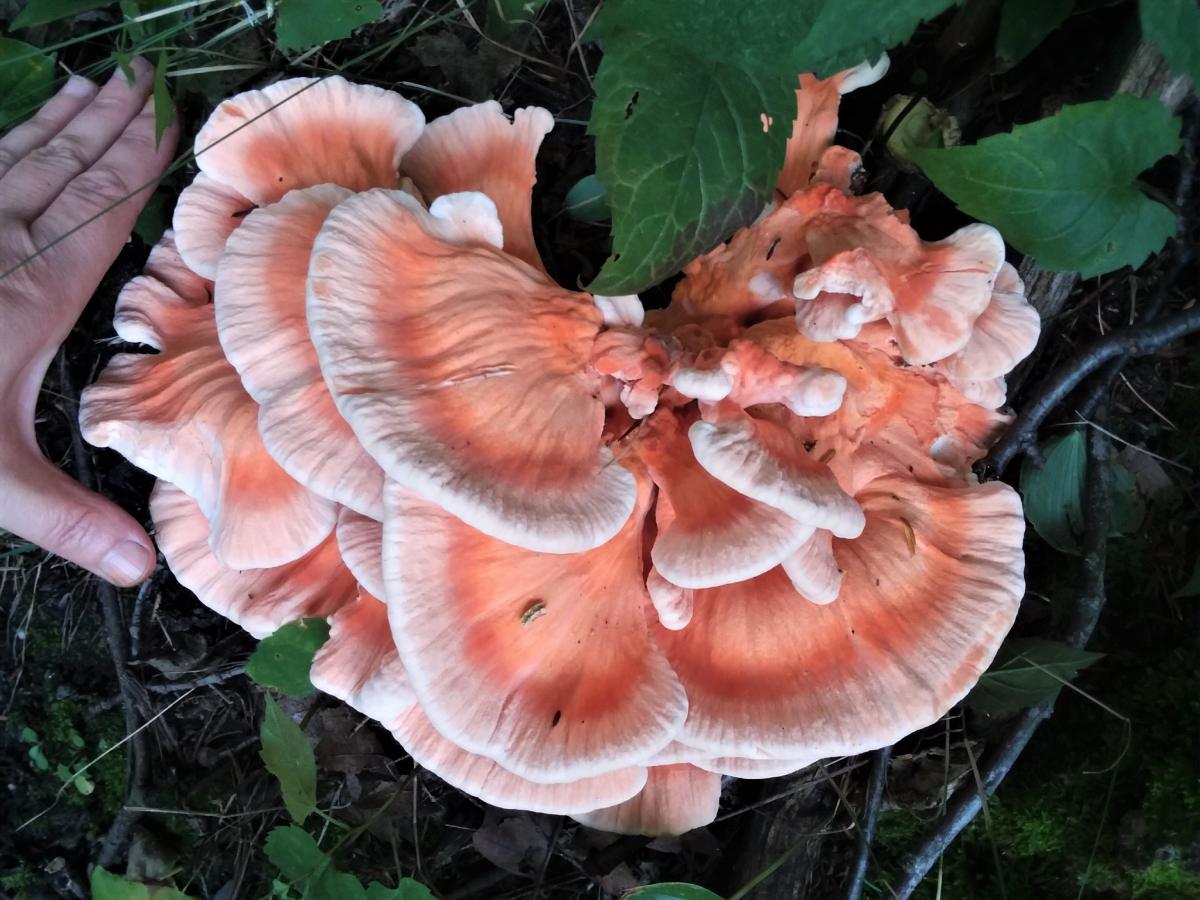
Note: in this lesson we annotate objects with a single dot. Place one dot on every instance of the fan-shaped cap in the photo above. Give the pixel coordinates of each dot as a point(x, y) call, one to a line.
point(300, 132)
point(166, 265)
point(259, 600)
point(761, 460)
point(542, 662)
point(360, 538)
point(812, 569)
point(676, 798)
point(477, 148)
point(817, 101)
point(708, 533)
point(928, 592)
point(745, 767)
point(260, 307)
point(464, 373)
point(1003, 335)
point(205, 215)
point(182, 415)
point(672, 603)
point(359, 663)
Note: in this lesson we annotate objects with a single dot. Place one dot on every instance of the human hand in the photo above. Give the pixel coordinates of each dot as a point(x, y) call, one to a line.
point(86, 149)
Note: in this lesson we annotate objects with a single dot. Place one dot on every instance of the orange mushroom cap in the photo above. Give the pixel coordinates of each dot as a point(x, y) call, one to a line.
point(464, 372)
point(542, 662)
point(182, 415)
point(259, 600)
point(259, 297)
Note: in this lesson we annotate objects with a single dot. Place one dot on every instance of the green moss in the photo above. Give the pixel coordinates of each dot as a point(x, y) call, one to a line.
point(1165, 880)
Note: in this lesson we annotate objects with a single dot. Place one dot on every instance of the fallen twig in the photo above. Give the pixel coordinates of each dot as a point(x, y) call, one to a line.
point(881, 759)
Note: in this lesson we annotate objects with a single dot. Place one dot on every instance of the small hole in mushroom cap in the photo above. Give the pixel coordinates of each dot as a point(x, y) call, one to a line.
point(557, 717)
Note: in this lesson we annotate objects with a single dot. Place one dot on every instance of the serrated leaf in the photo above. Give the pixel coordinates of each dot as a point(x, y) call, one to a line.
point(675, 890)
point(282, 660)
point(1174, 25)
point(1024, 24)
point(1062, 188)
point(107, 886)
point(26, 80)
point(686, 160)
point(587, 201)
point(303, 24)
point(164, 103)
point(775, 37)
point(289, 757)
point(41, 12)
point(1027, 671)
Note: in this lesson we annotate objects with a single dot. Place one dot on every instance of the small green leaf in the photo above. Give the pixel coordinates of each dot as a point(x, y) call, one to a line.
point(26, 80)
point(282, 660)
point(1190, 588)
point(310, 23)
point(1027, 671)
point(41, 12)
point(675, 890)
point(38, 758)
point(28, 735)
point(1174, 25)
point(407, 889)
point(1024, 24)
point(587, 201)
point(84, 785)
point(107, 886)
point(1062, 189)
point(295, 853)
point(164, 103)
point(505, 16)
point(289, 757)
point(152, 220)
point(686, 160)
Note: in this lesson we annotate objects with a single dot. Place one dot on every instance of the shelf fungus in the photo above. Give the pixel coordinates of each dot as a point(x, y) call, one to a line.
point(578, 557)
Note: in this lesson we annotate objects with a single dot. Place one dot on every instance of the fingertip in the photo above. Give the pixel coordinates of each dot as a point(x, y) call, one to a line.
point(78, 86)
point(127, 563)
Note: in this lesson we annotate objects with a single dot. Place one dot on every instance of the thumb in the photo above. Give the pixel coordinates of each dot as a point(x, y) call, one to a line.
point(41, 504)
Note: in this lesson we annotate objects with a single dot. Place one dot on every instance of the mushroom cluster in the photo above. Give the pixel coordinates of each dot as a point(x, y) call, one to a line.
point(579, 558)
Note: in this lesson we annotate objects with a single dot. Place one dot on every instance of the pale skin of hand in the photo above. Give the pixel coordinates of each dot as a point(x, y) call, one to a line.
point(85, 150)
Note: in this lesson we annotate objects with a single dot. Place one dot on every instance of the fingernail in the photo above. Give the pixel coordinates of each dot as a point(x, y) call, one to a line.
point(126, 563)
point(78, 86)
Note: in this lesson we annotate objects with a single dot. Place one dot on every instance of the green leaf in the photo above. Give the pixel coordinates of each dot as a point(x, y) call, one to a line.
point(83, 784)
point(685, 159)
point(164, 104)
point(1027, 671)
point(107, 886)
point(40, 12)
point(682, 96)
point(1174, 25)
point(282, 660)
point(505, 16)
point(587, 201)
point(406, 889)
point(1190, 588)
point(38, 758)
point(1024, 24)
point(1062, 189)
point(295, 853)
point(152, 220)
point(26, 80)
point(675, 890)
point(1053, 494)
point(28, 735)
point(310, 23)
point(776, 37)
point(289, 757)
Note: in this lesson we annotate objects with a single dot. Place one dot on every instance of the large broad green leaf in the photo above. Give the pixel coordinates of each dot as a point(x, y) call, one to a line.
point(1027, 671)
point(1062, 189)
point(282, 659)
point(1175, 26)
point(289, 757)
point(775, 37)
point(310, 23)
point(1025, 23)
point(26, 80)
point(694, 104)
point(685, 161)
point(39, 12)
point(675, 890)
